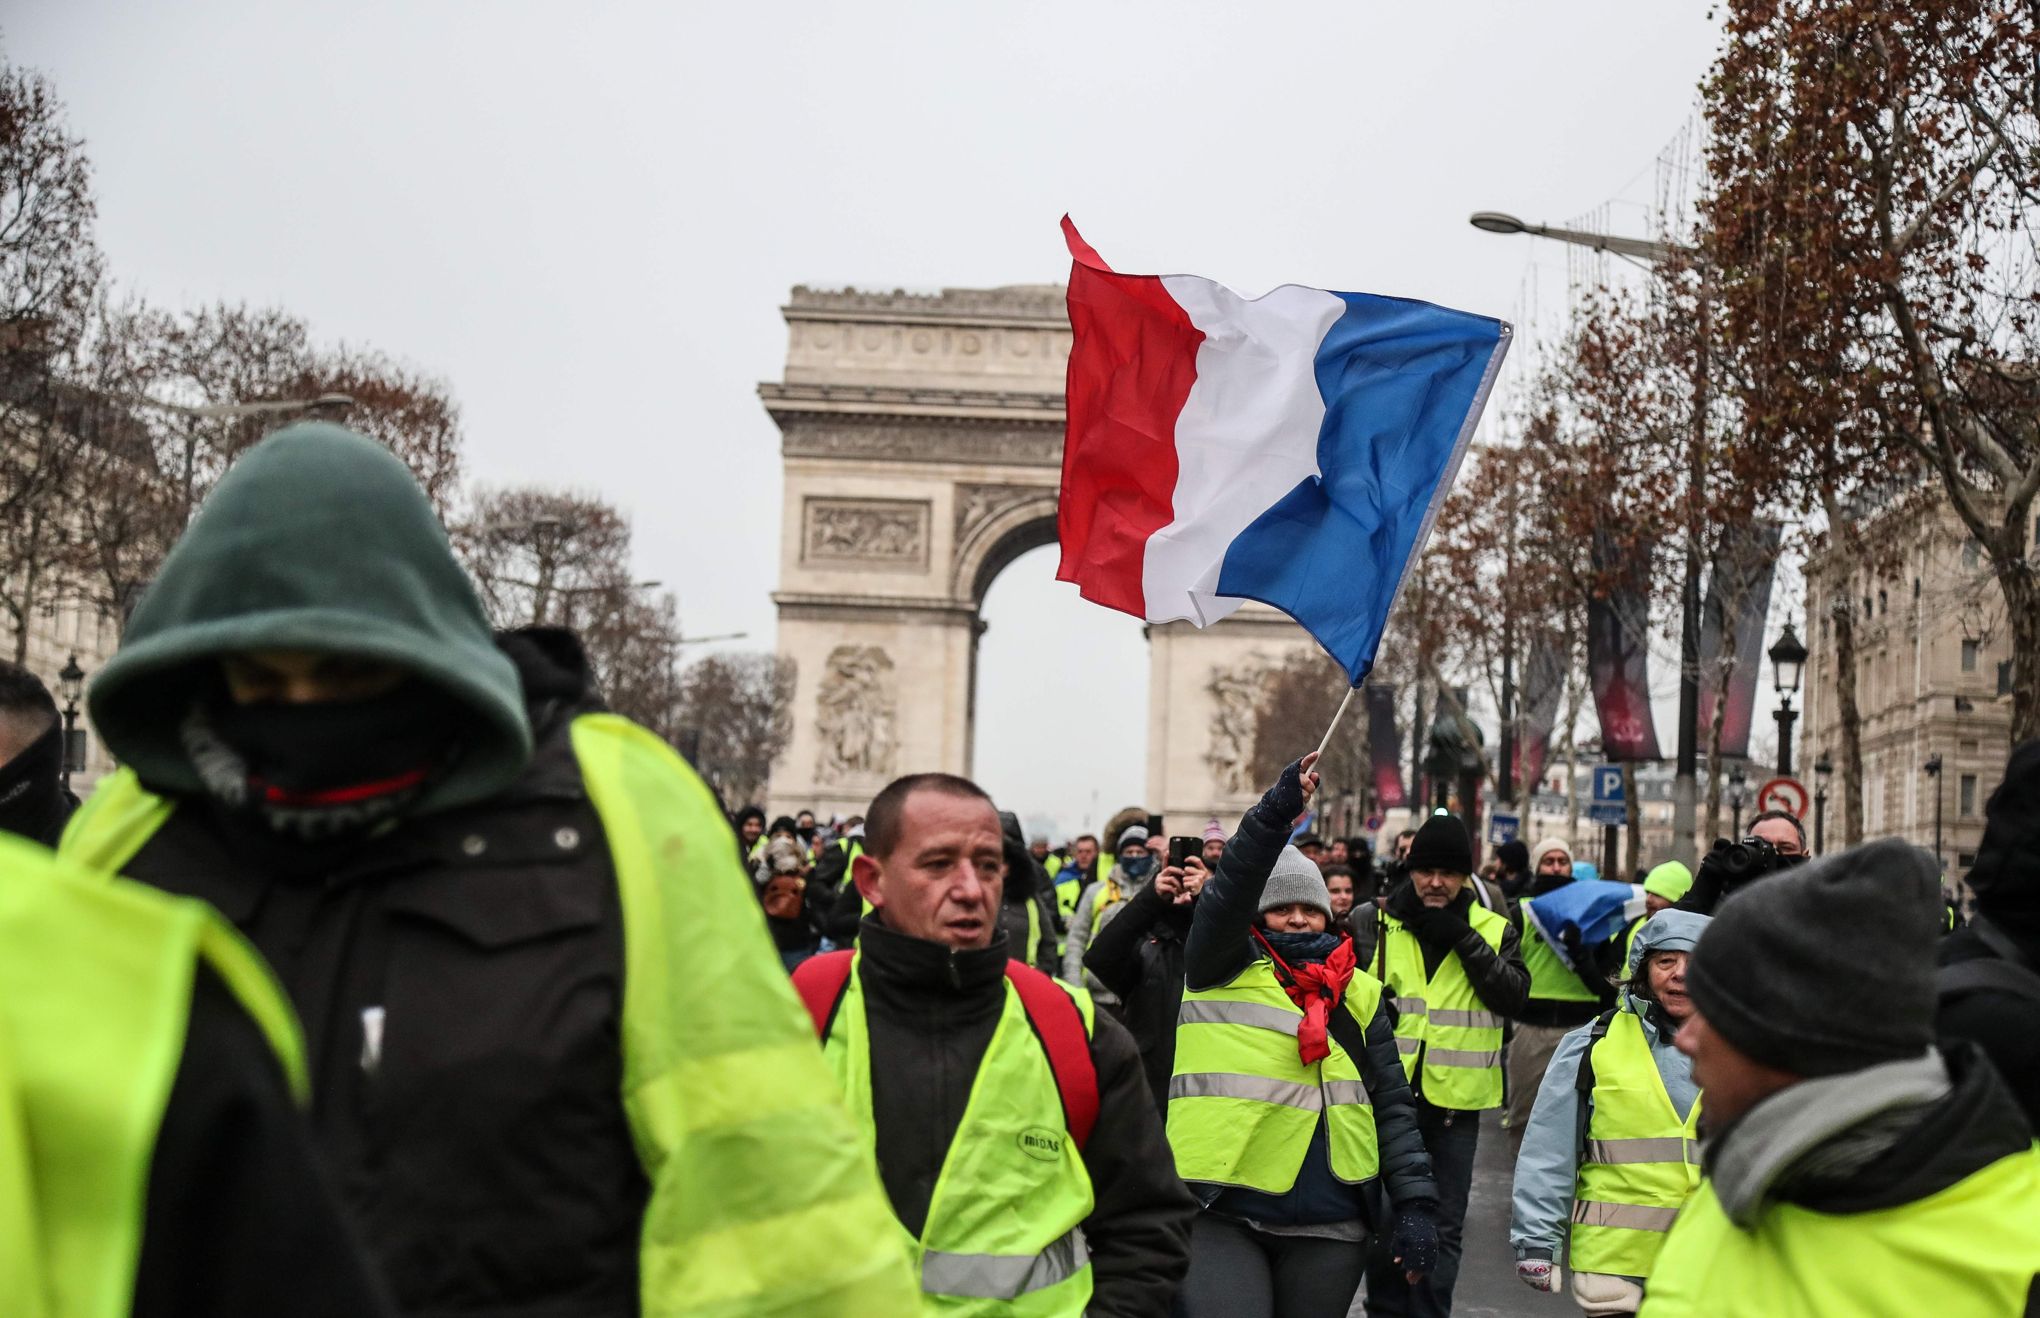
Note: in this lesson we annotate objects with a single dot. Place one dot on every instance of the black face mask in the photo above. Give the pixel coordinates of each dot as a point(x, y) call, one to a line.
point(327, 769)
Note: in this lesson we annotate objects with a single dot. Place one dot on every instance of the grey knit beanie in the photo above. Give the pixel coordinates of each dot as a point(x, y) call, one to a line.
point(1829, 967)
point(1296, 879)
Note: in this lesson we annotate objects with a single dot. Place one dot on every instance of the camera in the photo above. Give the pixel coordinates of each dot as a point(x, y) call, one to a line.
point(1751, 858)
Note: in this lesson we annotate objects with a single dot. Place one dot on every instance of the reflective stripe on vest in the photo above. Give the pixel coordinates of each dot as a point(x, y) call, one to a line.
point(1968, 1251)
point(1449, 1042)
point(1550, 979)
point(1003, 1234)
point(1642, 1160)
point(1004, 1276)
point(1243, 1104)
point(95, 1001)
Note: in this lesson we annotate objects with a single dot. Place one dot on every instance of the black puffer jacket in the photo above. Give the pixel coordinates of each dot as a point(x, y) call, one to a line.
point(1139, 956)
point(1219, 947)
point(931, 1013)
point(2006, 879)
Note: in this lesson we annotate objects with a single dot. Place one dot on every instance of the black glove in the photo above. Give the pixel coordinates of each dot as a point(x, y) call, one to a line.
point(1282, 803)
point(1576, 948)
point(1414, 1244)
point(1446, 923)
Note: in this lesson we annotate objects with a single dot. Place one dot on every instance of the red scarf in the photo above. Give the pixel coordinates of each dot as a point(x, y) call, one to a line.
point(1316, 989)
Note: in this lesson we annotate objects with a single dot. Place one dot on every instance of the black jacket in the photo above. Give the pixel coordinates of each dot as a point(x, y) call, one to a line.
point(930, 1013)
point(1219, 947)
point(2006, 879)
point(239, 1217)
point(1139, 956)
point(1027, 884)
point(483, 1151)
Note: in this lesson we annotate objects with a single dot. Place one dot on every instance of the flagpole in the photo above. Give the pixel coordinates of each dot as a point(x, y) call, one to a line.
point(1336, 720)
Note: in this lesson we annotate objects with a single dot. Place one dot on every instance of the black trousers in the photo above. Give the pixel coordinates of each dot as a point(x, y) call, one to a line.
point(1238, 1272)
point(1452, 1138)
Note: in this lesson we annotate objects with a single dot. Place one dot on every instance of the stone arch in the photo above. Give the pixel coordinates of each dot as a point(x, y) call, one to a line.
point(1023, 520)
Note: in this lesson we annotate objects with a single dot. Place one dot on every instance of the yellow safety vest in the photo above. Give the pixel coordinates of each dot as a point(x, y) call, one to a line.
point(95, 1002)
point(1004, 1234)
point(1550, 978)
point(1969, 1251)
point(1450, 1042)
point(1243, 1103)
point(717, 1051)
point(1642, 1161)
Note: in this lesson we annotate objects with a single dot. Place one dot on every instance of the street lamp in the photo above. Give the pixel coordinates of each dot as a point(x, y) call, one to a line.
point(1737, 782)
point(1788, 658)
point(1684, 794)
point(1932, 768)
point(1823, 769)
point(71, 683)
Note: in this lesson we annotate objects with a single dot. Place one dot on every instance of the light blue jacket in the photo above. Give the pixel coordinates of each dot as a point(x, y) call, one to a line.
point(1548, 1167)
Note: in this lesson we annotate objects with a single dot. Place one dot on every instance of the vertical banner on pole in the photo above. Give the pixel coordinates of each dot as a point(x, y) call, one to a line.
point(1738, 601)
point(1543, 689)
point(1618, 650)
point(1384, 746)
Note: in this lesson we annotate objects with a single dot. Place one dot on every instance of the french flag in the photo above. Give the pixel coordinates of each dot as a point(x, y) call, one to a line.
point(1292, 448)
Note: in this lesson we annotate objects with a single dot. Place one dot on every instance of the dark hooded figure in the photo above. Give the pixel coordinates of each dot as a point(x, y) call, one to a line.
point(2006, 879)
point(1027, 909)
point(34, 802)
point(448, 852)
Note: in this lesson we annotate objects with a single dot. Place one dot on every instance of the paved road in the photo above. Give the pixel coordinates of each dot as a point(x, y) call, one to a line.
point(1487, 1276)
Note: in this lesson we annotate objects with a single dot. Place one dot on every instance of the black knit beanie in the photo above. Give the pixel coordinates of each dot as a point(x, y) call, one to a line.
point(1441, 844)
point(1826, 968)
point(1514, 856)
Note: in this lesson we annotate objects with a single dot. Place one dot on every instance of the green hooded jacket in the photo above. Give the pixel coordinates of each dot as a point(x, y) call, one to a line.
point(317, 539)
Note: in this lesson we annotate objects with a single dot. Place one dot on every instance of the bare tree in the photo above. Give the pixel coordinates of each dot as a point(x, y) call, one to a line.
point(737, 710)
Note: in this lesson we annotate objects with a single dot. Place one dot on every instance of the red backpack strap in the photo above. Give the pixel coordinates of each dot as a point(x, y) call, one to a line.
point(1060, 1026)
point(820, 981)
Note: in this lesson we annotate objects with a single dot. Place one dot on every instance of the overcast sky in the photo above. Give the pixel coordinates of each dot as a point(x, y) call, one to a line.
point(585, 218)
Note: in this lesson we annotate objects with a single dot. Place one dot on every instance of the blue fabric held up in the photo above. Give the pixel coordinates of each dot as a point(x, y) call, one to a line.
point(1403, 384)
point(1593, 906)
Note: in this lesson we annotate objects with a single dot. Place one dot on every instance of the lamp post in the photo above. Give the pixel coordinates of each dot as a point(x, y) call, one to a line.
point(1823, 769)
point(1932, 768)
point(1788, 660)
point(1684, 795)
point(1737, 783)
point(71, 683)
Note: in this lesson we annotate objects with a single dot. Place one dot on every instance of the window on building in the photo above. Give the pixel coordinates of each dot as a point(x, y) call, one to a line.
point(1916, 587)
point(1883, 602)
point(1868, 611)
point(1964, 859)
point(1972, 552)
point(2005, 677)
point(1970, 651)
point(1966, 796)
point(1966, 747)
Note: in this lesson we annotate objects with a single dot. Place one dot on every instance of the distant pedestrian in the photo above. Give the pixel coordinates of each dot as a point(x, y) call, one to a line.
point(1289, 1112)
point(1852, 1166)
point(1101, 901)
point(1138, 956)
point(1214, 844)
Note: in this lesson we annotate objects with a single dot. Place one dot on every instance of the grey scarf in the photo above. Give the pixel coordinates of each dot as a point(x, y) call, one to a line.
point(1819, 1132)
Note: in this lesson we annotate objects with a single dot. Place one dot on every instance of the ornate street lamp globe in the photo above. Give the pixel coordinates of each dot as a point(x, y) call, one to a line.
point(1788, 657)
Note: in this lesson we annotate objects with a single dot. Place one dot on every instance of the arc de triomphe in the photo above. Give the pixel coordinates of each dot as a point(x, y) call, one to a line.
point(922, 437)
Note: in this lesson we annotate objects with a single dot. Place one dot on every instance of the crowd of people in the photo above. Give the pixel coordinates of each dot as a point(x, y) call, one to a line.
point(429, 987)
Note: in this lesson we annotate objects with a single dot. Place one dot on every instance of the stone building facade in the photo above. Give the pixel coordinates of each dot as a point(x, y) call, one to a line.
point(1932, 678)
point(922, 444)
